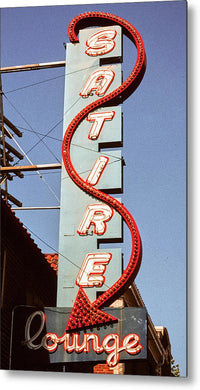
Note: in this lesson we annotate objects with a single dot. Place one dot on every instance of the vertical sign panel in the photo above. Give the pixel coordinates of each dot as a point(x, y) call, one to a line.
point(84, 220)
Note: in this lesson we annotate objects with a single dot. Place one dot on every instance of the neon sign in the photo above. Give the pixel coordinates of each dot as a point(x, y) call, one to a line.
point(88, 214)
point(101, 43)
point(97, 170)
point(99, 119)
point(39, 338)
point(99, 215)
point(92, 270)
point(111, 344)
point(99, 81)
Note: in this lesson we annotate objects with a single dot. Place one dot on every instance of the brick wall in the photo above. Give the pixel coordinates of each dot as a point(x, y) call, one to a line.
point(102, 369)
point(105, 369)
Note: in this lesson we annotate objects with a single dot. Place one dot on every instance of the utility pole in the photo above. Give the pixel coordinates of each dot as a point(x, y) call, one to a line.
point(7, 154)
point(22, 68)
point(3, 140)
point(6, 125)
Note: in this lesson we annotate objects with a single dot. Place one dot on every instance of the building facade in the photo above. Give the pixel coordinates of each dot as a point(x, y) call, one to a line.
point(26, 277)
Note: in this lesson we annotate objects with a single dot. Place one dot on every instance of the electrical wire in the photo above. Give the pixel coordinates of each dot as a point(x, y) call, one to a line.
point(22, 116)
point(50, 189)
point(29, 160)
point(88, 170)
point(41, 140)
point(73, 144)
point(47, 136)
point(55, 251)
point(44, 173)
point(64, 178)
point(37, 133)
point(50, 79)
point(25, 155)
point(51, 129)
point(96, 151)
point(33, 84)
point(61, 121)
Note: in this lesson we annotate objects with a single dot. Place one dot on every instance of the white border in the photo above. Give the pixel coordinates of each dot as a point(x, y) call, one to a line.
point(29, 380)
point(26, 3)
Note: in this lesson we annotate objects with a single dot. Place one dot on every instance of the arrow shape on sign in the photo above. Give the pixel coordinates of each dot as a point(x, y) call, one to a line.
point(84, 314)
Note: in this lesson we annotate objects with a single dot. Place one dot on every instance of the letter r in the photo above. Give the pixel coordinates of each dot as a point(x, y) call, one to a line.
point(96, 214)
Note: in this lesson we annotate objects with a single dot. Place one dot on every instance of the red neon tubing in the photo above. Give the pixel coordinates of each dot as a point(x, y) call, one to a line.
point(124, 90)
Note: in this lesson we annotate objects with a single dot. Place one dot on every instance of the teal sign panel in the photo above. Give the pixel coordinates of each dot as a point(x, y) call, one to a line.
point(95, 157)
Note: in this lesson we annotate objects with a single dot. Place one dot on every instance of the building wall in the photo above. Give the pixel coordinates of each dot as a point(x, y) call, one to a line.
point(26, 277)
point(104, 369)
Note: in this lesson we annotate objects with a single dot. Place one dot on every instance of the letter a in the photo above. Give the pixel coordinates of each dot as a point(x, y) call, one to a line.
point(99, 80)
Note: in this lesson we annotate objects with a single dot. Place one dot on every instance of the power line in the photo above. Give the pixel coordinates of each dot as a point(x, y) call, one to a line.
point(44, 173)
point(45, 135)
point(72, 144)
point(48, 136)
point(50, 189)
point(51, 247)
point(19, 113)
point(68, 177)
point(51, 129)
point(88, 170)
point(33, 84)
point(47, 80)
point(96, 151)
point(55, 251)
point(54, 126)
point(29, 160)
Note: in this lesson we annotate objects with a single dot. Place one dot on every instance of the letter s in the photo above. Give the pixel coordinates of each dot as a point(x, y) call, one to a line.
point(101, 42)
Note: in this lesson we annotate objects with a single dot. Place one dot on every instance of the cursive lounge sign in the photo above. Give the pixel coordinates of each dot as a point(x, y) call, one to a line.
point(39, 338)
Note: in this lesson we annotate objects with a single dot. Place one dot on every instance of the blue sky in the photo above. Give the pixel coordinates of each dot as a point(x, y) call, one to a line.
point(154, 141)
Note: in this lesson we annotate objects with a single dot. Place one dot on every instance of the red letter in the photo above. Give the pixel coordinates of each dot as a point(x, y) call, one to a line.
point(101, 43)
point(99, 118)
point(99, 80)
point(97, 170)
point(92, 270)
point(97, 214)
